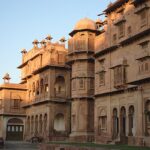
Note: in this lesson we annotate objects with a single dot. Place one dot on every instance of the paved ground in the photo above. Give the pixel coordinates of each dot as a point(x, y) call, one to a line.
point(19, 146)
point(12, 145)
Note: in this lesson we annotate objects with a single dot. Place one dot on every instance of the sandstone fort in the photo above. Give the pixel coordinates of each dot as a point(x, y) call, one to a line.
point(96, 89)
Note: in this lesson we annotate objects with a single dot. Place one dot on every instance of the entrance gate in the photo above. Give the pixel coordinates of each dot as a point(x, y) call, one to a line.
point(14, 131)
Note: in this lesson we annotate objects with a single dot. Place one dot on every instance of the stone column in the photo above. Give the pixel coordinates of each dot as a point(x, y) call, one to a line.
point(139, 113)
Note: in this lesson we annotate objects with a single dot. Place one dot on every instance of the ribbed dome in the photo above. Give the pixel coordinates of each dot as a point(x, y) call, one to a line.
point(85, 24)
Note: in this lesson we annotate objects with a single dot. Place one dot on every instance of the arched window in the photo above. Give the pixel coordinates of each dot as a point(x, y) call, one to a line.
point(59, 122)
point(41, 85)
point(148, 112)
point(37, 88)
point(46, 84)
point(102, 121)
point(81, 83)
point(60, 87)
point(73, 84)
point(33, 88)
point(29, 92)
point(15, 121)
point(73, 124)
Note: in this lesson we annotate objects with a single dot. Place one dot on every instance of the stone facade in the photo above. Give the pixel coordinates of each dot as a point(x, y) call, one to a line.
point(122, 74)
point(47, 78)
point(12, 115)
point(98, 89)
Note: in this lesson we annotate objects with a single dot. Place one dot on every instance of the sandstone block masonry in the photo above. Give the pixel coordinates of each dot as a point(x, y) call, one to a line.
point(97, 90)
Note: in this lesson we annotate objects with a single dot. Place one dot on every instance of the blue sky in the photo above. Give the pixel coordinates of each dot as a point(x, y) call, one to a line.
point(22, 21)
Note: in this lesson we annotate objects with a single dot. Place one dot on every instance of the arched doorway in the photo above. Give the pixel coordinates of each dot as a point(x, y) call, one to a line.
point(36, 125)
point(28, 125)
point(45, 123)
point(59, 123)
point(147, 118)
point(131, 120)
point(123, 121)
point(40, 124)
point(115, 123)
point(14, 131)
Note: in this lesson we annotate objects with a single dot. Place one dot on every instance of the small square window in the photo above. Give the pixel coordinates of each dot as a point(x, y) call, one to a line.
point(143, 17)
point(144, 45)
point(144, 66)
point(129, 30)
point(0, 103)
point(102, 78)
point(101, 64)
point(121, 30)
point(91, 83)
point(46, 88)
point(81, 83)
point(16, 103)
point(74, 84)
point(61, 58)
point(119, 76)
point(114, 38)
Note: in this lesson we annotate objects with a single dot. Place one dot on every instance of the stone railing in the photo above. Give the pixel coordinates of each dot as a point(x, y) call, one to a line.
point(13, 110)
point(60, 94)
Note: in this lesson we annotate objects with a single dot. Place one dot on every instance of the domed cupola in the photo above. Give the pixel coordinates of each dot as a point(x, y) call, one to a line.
point(85, 24)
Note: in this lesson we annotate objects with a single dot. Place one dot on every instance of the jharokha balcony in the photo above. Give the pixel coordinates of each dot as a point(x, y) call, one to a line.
point(44, 98)
point(14, 110)
point(61, 94)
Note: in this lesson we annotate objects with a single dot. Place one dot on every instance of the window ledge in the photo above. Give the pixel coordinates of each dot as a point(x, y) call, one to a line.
point(102, 70)
point(120, 20)
point(142, 55)
point(141, 8)
point(119, 62)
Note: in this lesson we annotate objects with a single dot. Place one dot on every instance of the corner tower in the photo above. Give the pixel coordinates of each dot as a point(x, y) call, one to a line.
point(80, 57)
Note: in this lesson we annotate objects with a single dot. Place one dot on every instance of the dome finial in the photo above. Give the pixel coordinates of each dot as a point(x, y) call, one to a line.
point(35, 43)
point(62, 40)
point(49, 38)
point(23, 51)
point(6, 78)
point(43, 43)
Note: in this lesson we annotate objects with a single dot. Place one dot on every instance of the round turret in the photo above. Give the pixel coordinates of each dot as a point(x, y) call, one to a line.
point(85, 24)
